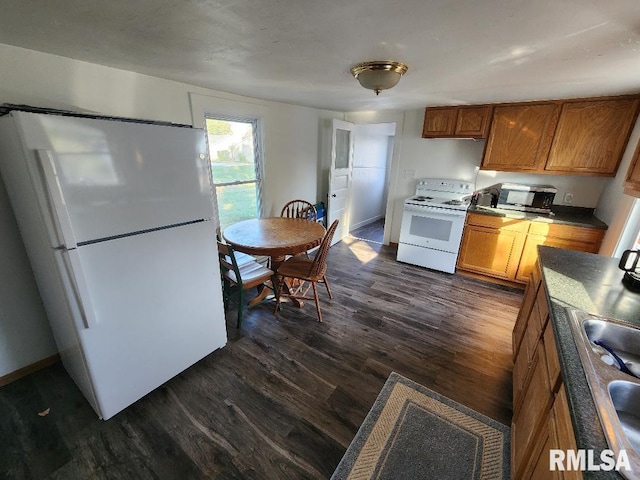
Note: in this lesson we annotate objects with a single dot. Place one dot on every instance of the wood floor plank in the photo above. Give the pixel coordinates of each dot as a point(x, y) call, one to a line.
point(287, 394)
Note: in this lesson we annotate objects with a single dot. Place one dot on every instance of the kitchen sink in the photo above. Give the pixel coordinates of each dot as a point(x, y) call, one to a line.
point(611, 340)
point(610, 354)
point(625, 397)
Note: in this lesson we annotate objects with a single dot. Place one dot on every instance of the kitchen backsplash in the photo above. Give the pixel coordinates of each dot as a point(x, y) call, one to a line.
point(585, 191)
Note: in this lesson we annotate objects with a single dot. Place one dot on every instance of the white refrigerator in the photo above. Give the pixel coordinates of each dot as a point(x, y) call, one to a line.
point(116, 217)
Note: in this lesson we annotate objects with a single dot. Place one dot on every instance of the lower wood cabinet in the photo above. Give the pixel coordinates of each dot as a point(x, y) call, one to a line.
point(555, 433)
point(541, 418)
point(506, 249)
point(492, 245)
point(571, 238)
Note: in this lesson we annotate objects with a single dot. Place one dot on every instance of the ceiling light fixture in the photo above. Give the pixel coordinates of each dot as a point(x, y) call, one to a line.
point(379, 75)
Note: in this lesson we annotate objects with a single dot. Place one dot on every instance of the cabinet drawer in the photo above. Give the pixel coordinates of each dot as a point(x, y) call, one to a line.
point(569, 232)
point(502, 223)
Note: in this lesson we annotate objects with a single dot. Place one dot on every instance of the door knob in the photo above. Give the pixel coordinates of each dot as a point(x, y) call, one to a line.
point(334, 195)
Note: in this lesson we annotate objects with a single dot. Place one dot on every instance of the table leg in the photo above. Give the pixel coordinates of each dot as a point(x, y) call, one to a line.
point(275, 263)
point(262, 296)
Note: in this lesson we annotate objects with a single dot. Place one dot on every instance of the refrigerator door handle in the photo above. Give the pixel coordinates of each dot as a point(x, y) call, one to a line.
point(80, 288)
point(56, 204)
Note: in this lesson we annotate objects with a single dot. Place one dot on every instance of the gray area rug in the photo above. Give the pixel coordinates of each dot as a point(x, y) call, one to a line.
point(412, 432)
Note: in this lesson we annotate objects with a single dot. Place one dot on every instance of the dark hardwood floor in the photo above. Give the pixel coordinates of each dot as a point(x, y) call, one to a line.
point(286, 396)
point(372, 232)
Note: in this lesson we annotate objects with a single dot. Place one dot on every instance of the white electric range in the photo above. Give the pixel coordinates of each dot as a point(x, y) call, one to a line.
point(432, 223)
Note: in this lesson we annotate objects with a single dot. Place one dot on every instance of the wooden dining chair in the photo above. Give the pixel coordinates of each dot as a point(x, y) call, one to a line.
point(237, 278)
point(299, 209)
point(305, 270)
point(241, 257)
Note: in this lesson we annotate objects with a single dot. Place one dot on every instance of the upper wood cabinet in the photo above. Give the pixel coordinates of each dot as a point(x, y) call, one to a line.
point(456, 122)
point(520, 137)
point(632, 182)
point(591, 136)
point(439, 122)
point(563, 137)
point(473, 121)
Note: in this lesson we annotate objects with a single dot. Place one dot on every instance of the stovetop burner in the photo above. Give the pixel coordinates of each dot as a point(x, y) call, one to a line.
point(441, 193)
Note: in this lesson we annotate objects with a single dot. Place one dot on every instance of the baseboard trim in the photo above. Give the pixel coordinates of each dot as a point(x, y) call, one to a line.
point(486, 278)
point(29, 369)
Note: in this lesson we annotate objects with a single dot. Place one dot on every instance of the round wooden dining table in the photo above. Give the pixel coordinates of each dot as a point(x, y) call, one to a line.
point(275, 237)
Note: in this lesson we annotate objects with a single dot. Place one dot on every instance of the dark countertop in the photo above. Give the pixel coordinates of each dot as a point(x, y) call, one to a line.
point(576, 216)
point(592, 283)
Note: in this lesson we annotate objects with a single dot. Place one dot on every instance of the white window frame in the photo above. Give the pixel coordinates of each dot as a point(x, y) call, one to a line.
point(210, 106)
point(258, 162)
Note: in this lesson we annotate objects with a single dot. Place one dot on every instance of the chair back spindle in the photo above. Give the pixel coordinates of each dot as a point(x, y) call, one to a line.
point(299, 209)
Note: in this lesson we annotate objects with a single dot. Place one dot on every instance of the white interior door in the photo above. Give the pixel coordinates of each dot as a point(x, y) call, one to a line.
point(342, 136)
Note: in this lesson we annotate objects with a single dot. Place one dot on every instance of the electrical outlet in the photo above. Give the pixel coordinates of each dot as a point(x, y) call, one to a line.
point(409, 173)
point(568, 198)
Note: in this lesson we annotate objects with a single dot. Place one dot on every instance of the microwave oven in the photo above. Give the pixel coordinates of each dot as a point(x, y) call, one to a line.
point(526, 198)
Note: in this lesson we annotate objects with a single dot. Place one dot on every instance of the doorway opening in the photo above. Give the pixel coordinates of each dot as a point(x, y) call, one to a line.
point(372, 153)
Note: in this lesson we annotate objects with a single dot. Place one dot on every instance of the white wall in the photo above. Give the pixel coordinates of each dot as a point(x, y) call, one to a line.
point(420, 157)
point(293, 142)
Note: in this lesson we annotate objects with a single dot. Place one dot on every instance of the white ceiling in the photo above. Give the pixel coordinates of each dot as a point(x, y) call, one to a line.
point(300, 51)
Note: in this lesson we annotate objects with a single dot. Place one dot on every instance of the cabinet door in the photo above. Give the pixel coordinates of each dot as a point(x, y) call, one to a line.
point(530, 417)
point(520, 137)
point(439, 122)
point(538, 466)
point(565, 436)
point(530, 250)
point(493, 252)
point(473, 122)
point(591, 136)
point(527, 352)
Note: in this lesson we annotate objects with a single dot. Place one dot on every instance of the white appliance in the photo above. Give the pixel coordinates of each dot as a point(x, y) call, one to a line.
point(432, 223)
point(116, 219)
